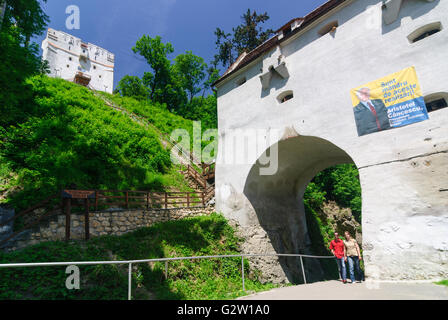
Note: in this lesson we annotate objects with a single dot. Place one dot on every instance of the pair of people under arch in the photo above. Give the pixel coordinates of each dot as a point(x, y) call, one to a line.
point(347, 251)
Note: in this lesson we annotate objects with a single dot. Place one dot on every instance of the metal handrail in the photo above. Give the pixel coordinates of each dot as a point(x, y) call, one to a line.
point(166, 260)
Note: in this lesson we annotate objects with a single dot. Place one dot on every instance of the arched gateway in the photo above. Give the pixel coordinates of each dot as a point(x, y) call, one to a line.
point(403, 169)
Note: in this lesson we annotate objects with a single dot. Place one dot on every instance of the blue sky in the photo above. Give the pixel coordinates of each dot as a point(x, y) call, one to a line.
point(188, 24)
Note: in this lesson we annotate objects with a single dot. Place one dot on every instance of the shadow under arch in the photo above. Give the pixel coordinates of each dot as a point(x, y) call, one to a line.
point(278, 199)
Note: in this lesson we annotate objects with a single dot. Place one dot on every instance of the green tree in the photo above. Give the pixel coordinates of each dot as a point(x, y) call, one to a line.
point(246, 37)
point(27, 16)
point(249, 34)
point(212, 76)
point(22, 20)
point(155, 52)
point(191, 70)
point(132, 86)
point(162, 81)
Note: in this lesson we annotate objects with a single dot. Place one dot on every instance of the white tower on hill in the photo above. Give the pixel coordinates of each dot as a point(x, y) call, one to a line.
point(72, 59)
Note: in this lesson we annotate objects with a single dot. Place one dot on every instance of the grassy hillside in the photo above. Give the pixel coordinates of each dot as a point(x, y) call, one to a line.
point(65, 135)
point(166, 121)
point(155, 113)
point(193, 279)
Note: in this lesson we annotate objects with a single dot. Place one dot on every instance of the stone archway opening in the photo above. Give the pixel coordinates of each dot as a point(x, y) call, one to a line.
point(333, 203)
point(277, 200)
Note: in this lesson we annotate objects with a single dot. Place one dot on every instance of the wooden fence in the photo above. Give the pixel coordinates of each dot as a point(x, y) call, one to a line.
point(85, 200)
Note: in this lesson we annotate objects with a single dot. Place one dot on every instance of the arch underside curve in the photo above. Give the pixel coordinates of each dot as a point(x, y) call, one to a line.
point(277, 199)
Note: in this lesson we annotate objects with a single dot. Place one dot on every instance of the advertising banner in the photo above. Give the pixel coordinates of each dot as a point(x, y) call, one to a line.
point(392, 101)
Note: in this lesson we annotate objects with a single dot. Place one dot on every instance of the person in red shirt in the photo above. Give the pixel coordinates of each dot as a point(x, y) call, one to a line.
point(337, 248)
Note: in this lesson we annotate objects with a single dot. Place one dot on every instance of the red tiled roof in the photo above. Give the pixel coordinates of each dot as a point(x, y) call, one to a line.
point(267, 45)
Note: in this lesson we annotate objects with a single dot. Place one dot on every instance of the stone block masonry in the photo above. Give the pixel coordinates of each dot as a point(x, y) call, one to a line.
point(110, 222)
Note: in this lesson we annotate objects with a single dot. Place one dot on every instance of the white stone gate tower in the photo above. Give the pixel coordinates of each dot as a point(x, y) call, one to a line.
point(298, 83)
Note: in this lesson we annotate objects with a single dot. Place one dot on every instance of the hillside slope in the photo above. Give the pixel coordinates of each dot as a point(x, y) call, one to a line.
point(68, 136)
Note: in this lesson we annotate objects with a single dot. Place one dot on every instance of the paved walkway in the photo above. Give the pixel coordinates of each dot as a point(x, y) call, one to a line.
point(335, 290)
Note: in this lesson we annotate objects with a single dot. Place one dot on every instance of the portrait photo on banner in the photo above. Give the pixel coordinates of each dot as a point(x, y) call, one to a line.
point(393, 101)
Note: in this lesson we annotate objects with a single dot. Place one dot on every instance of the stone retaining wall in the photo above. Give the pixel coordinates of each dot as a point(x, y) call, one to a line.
point(111, 222)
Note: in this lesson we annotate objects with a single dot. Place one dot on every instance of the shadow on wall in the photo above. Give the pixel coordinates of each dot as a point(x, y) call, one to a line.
point(409, 8)
point(278, 199)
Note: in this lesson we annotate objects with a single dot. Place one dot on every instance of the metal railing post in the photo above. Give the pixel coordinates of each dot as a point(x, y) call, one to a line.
point(242, 271)
point(303, 269)
point(130, 282)
point(166, 260)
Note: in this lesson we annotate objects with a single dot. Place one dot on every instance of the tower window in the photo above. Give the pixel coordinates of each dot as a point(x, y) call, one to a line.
point(330, 27)
point(425, 31)
point(241, 81)
point(285, 96)
point(436, 101)
point(436, 105)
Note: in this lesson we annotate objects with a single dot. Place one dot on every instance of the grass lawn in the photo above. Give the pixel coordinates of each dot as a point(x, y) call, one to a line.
point(443, 283)
point(187, 279)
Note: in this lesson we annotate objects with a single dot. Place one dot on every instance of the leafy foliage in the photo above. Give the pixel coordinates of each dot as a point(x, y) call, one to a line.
point(22, 20)
point(173, 84)
point(167, 121)
point(65, 135)
point(162, 83)
point(202, 109)
point(443, 283)
point(132, 86)
point(246, 37)
point(26, 16)
point(341, 184)
point(187, 279)
point(190, 70)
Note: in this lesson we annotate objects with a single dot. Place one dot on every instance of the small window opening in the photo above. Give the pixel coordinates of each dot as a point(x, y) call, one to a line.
point(436, 104)
point(285, 96)
point(330, 27)
point(241, 81)
point(288, 97)
point(70, 58)
point(94, 67)
point(425, 32)
point(68, 66)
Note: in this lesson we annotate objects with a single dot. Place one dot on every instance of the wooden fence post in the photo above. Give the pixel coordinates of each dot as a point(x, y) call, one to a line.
point(96, 200)
point(147, 201)
point(203, 198)
point(127, 200)
point(67, 218)
point(188, 199)
point(86, 219)
point(166, 200)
